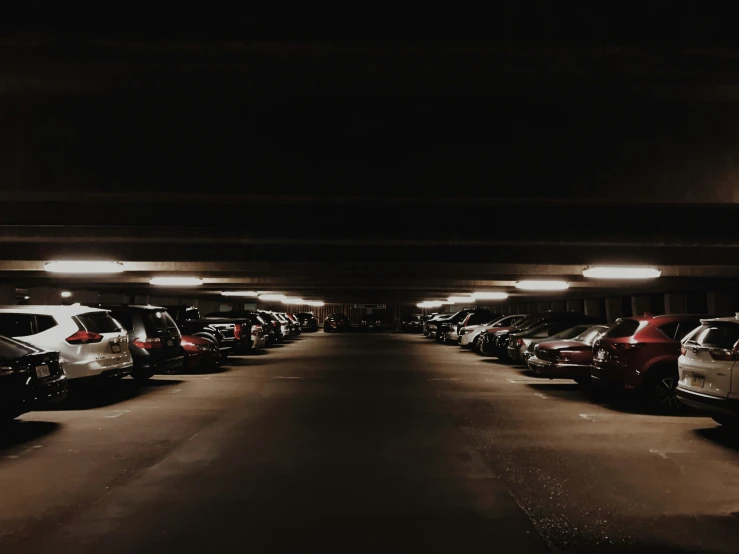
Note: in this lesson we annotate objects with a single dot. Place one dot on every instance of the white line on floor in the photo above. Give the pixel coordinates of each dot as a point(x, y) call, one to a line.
point(445, 379)
point(119, 414)
point(540, 395)
point(659, 453)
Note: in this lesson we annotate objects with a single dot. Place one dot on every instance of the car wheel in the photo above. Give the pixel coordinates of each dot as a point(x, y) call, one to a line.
point(660, 390)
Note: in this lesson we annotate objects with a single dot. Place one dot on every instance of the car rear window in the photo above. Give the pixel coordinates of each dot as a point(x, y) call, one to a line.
point(590, 335)
point(570, 333)
point(622, 328)
point(23, 325)
point(716, 334)
point(124, 318)
point(304, 315)
point(98, 322)
point(158, 320)
point(12, 350)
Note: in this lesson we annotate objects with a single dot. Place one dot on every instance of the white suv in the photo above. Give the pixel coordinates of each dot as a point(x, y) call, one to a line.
point(468, 336)
point(89, 341)
point(706, 365)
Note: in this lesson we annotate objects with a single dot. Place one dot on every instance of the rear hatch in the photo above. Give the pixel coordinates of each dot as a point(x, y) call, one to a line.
point(708, 358)
point(613, 348)
point(161, 328)
point(100, 338)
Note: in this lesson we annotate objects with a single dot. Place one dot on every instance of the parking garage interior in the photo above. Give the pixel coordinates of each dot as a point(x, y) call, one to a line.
point(242, 170)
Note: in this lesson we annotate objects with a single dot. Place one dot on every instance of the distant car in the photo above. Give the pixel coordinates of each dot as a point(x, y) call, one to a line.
point(91, 344)
point(29, 378)
point(154, 339)
point(221, 331)
point(200, 353)
point(336, 322)
point(566, 359)
point(412, 324)
point(474, 317)
point(431, 324)
point(294, 324)
point(308, 321)
point(248, 328)
point(371, 322)
point(469, 335)
point(640, 354)
point(274, 327)
point(445, 325)
point(707, 362)
point(518, 347)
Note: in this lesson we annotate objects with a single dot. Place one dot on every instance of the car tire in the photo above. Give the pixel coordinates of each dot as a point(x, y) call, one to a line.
point(142, 376)
point(659, 390)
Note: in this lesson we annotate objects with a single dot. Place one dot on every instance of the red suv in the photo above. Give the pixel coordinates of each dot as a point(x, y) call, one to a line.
point(640, 354)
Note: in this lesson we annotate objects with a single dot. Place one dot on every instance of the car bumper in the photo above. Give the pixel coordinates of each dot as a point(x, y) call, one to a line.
point(610, 377)
point(452, 336)
point(556, 370)
point(712, 404)
point(466, 339)
point(92, 369)
point(513, 353)
point(18, 398)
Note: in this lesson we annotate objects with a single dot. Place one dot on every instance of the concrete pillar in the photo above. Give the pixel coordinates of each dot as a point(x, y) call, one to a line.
point(7, 295)
point(720, 302)
point(614, 309)
point(543, 306)
point(574, 306)
point(641, 303)
point(594, 307)
point(676, 303)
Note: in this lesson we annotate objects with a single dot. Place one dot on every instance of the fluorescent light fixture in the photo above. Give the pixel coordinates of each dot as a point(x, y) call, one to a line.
point(83, 266)
point(621, 272)
point(66, 294)
point(26, 298)
point(460, 299)
point(490, 295)
point(430, 304)
point(315, 303)
point(542, 285)
point(176, 281)
point(250, 293)
point(293, 300)
point(272, 297)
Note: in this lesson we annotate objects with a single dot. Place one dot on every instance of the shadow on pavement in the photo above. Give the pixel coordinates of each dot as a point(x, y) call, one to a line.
point(723, 436)
point(88, 398)
point(18, 432)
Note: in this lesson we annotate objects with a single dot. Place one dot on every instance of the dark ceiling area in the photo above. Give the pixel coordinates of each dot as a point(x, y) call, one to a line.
point(368, 170)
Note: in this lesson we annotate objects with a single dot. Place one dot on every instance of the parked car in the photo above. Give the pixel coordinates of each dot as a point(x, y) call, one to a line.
point(371, 322)
point(308, 321)
point(412, 324)
point(285, 326)
point(706, 369)
point(199, 353)
point(274, 327)
point(566, 359)
point(154, 338)
point(430, 326)
point(477, 316)
point(247, 326)
point(640, 354)
point(518, 348)
point(294, 324)
point(336, 322)
point(91, 344)
point(220, 331)
point(29, 378)
point(497, 343)
point(444, 326)
point(469, 335)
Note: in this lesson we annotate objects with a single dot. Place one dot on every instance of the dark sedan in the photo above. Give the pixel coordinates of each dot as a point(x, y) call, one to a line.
point(29, 377)
point(371, 322)
point(308, 321)
point(412, 324)
point(336, 322)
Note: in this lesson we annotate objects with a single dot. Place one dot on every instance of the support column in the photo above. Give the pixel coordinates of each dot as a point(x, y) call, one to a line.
point(614, 309)
point(640, 304)
point(543, 306)
point(676, 303)
point(594, 307)
point(7, 295)
point(574, 306)
point(558, 305)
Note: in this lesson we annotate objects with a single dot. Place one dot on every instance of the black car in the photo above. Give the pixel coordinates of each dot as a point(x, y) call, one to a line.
point(444, 326)
point(412, 324)
point(153, 339)
point(371, 322)
point(221, 332)
point(244, 322)
point(496, 344)
point(308, 321)
point(336, 322)
point(29, 378)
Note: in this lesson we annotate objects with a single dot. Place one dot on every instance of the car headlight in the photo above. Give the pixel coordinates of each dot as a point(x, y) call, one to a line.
point(6, 370)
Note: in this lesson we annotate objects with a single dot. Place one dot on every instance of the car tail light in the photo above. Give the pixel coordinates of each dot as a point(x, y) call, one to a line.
point(84, 337)
point(237, 331)
point(519, 342)
point(683, 351)
point(256, 329)
point(149, 343)
point(723, 354)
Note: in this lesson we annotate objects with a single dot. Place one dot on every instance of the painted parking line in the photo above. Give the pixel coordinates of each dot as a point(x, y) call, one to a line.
point(445, 379)
point(118, 414)
point(540, 395)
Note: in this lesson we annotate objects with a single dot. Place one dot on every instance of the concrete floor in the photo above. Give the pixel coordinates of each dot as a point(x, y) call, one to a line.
point(363, 443)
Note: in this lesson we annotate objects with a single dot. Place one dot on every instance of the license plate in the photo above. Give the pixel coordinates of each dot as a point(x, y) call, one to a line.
point(600, 355)
point(42, 371)
point(115, 348)
point(170, 343)
point(697, 381)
